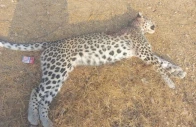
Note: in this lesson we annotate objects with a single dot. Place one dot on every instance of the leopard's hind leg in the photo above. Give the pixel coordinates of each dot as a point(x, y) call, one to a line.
point(33, 114)
point(38, 94)
point(55, 68)
point(43, 95)
point(52, 88)
point(40, 99)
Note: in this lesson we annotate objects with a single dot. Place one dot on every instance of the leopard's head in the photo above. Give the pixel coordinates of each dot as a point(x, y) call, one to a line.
point(146, 25)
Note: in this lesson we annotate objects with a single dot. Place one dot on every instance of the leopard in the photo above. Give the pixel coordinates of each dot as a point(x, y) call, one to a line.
point(59, 58)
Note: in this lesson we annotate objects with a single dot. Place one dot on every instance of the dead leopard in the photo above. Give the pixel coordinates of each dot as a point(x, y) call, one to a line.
point(59, 58)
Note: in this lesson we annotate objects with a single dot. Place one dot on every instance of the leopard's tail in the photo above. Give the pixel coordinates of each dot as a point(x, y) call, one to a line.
point(24, 47)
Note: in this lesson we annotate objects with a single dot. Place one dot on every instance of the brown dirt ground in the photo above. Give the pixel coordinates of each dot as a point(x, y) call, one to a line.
point(124, 94)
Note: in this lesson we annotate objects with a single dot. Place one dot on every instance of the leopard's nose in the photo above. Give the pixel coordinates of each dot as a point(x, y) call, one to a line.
point(152, 27)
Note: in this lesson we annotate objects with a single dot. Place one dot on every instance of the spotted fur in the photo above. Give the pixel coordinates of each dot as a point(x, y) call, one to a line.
point(59, 58)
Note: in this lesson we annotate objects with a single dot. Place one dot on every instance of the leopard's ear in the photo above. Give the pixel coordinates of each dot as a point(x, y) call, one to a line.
point(139, 15)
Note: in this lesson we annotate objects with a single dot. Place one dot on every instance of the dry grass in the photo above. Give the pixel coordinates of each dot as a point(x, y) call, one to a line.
point(124, 94)
point(119, 97)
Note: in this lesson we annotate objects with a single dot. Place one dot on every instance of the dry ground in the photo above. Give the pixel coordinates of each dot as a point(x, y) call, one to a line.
point(124, 94)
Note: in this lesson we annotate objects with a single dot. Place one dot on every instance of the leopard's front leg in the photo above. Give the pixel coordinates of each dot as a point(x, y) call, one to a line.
point(170, 68)
point(159, 68)
point(144, 52)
